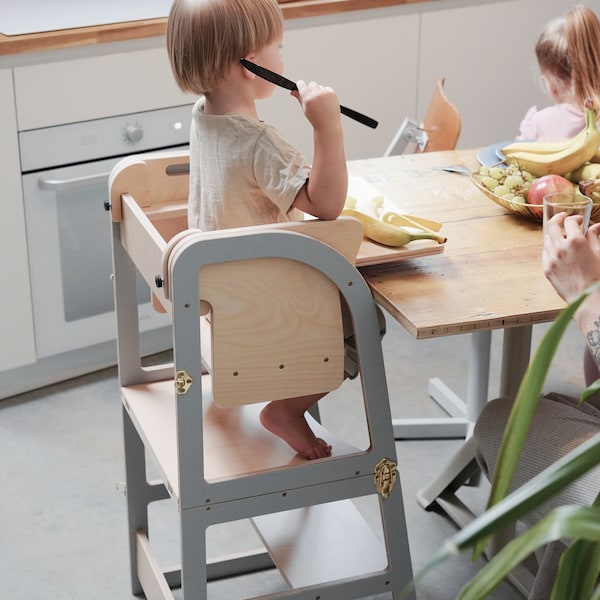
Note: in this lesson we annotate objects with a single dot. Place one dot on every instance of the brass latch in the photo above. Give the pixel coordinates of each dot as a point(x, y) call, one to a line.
point(385, 476)
point(183, 382)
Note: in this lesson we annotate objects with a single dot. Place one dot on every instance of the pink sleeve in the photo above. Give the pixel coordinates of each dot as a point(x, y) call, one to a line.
point(528, 127)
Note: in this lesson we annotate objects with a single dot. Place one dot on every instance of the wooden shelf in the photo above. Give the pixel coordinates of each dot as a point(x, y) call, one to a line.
point(236, 443)
point(347, 546)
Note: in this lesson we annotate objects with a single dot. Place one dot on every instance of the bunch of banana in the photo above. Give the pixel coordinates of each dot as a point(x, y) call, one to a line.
point(388, 234)
point(559, 158)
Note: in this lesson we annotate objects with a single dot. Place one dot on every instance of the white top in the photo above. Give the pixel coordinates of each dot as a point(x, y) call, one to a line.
point(242, 172)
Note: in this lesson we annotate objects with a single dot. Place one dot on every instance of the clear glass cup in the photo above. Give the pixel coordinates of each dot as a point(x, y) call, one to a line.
point(570, 203)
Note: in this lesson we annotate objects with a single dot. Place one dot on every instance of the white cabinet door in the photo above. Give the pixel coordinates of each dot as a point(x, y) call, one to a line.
point(16, 321)
point(93, 87)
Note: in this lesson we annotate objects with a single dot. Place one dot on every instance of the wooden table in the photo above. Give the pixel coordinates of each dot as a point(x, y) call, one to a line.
point(489, 277)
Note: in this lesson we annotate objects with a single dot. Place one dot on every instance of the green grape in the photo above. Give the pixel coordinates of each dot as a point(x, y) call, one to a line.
point(519, 198)
point(528, 177)
point(501, 190)
point(497, 173)
point(489, 182)
point(514, 181)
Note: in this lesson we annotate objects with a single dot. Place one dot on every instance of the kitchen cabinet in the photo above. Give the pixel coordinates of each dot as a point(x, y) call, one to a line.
point(18, 346)
point(94, 87)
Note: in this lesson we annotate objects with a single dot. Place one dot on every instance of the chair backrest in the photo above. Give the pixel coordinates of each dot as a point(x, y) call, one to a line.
point(439, 130)
point(274, 329)
point(442, 122)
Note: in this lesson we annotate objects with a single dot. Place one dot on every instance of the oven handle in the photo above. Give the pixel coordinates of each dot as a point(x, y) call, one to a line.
point(62, 185)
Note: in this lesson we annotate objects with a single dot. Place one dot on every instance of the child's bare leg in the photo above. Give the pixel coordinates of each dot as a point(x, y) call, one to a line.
point(285, 418)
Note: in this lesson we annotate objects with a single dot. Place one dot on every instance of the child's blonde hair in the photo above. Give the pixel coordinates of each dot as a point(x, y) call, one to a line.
point(569, 50)
point(206, 37)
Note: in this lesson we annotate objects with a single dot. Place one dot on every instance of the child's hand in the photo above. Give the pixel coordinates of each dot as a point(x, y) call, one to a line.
point(319, 103)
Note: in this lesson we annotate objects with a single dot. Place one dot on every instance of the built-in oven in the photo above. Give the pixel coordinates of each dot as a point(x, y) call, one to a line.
point(65, 173)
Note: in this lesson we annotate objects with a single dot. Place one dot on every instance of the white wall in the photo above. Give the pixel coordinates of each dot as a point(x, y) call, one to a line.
point(385, 63)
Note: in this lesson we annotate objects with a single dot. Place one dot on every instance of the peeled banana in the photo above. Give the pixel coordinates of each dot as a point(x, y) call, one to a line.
point(410, 221)
point(390, 235)
point(534, 157)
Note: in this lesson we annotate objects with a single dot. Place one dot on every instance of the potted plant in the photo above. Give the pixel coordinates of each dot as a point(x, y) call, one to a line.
point(579, 568)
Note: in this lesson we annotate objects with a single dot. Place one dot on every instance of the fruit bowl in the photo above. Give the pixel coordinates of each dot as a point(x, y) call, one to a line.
point(530, 211)
point(518, 208)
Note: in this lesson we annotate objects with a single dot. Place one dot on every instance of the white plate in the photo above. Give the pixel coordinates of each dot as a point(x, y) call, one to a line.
point(492, 155)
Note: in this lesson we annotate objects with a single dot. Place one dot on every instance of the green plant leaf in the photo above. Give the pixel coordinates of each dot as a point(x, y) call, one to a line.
point(579, 522)
point(520, 502)
point(596, 594)
point(590, 391)
point(505, 510)
point(526, 402)
point(530, 495)
point(577, 571)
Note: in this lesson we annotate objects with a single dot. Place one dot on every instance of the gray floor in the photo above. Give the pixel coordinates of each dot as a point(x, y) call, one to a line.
point(62, 514)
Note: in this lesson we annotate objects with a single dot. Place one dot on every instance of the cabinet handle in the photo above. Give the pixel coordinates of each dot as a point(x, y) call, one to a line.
point(62, 185)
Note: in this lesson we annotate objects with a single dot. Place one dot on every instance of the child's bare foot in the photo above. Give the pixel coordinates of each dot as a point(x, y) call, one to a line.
point(293, 429)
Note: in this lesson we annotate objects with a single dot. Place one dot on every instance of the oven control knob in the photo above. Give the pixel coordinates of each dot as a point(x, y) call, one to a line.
point(133, 133)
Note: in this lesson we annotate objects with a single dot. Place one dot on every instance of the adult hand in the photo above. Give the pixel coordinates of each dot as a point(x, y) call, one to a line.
point(571, 260)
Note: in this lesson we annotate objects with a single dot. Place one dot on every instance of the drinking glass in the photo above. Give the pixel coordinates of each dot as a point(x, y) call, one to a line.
point(570, 203)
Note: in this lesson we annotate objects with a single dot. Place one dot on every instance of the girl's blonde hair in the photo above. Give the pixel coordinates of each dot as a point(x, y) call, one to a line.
point(569, 50)
point(206, 37)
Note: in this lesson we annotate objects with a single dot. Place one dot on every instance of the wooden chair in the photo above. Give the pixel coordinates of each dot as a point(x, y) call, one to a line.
point(272, 329)
point(439, 130)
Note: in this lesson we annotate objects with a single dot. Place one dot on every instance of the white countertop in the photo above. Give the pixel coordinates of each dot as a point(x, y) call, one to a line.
point(36, 16)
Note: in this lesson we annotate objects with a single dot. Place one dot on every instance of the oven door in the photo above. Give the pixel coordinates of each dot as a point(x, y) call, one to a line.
point(70, 258)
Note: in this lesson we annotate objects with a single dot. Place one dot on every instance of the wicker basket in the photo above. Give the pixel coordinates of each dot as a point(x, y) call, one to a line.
point(529, 211)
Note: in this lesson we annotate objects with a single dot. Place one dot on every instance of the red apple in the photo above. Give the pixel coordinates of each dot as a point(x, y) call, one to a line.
point(548, 184)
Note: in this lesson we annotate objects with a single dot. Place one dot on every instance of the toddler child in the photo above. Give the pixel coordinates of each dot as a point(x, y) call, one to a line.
point(242, 171)
point(568, 55)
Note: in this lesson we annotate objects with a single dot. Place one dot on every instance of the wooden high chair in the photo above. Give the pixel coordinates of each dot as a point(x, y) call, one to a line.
point(442, 122)
point(271, 329)
point(439, 130)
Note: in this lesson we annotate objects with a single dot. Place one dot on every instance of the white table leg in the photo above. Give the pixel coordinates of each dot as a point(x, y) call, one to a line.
point(462, 415)
point(516, 350)
point(462, 466)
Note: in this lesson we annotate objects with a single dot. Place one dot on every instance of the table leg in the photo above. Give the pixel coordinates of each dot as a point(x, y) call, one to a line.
point(462, 414)
point(516, 350)
point(462, 466)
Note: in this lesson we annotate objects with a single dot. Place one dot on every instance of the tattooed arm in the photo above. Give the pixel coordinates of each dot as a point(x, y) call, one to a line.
point(571, 262)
